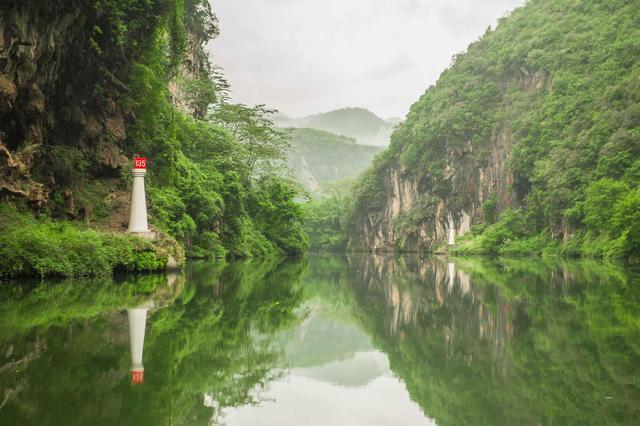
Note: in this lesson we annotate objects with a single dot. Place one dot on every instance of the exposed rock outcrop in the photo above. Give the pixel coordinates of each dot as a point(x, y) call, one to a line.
point(15, 179)
point(529, 131)
point(415, 217)
point(60, 106)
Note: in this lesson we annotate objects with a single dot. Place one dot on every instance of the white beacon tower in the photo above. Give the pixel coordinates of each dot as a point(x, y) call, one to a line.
point(138, 216)
point(137, 325)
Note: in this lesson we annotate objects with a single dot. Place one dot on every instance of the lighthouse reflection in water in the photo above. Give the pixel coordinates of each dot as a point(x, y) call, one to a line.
point(137, 325)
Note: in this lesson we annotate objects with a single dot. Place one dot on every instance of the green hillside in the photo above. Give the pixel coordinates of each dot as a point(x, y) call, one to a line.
point(533, 134)
point(358, 123)
point(91, 84)
point(318, 157)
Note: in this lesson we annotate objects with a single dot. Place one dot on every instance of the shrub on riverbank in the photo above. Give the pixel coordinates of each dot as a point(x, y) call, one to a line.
point(617, 238)
point(30, 246)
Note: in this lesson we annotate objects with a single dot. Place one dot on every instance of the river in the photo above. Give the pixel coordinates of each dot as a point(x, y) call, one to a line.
point(360, 340)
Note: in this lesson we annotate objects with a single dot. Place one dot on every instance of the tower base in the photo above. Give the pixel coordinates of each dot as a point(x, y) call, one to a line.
point(147, 235)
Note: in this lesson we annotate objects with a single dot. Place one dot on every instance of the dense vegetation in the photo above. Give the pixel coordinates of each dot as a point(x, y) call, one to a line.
point(556, 88)
point(30, 246)
point(212, 182)
point(317, 157)
point(329, 217)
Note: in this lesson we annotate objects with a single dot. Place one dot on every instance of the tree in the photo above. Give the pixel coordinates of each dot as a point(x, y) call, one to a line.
point(252, 127)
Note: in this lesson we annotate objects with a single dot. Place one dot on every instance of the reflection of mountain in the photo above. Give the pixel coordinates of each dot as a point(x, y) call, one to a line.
point(358, 370)
point(514, 342)
point(334, 351)
point(472, 341)
point(334, 377)
point(319, 340)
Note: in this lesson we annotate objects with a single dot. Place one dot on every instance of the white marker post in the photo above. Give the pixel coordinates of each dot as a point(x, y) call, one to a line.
point(452, 232)
point(138, 216)
point(137, 325)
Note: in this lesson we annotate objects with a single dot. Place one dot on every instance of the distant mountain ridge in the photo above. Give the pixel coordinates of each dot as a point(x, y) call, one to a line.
point(357, 123)
point(318, 157)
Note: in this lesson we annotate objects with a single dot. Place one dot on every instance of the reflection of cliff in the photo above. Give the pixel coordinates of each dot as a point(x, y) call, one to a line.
point(411, 290)
point(514, 342)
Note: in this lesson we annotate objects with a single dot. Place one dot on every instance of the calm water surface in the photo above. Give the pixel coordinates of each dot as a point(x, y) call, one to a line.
point(327, 340)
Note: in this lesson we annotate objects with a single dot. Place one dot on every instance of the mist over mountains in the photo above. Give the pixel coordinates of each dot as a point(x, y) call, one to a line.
point(357, 123)
point(317, 157)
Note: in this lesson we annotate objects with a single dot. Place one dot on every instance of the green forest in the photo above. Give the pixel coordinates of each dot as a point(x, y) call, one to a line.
point(214, 186)
point(548, 105)
point(318, 157)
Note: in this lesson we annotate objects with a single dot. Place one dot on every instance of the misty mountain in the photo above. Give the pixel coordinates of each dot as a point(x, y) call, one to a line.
point(357, 123)
point(393, 120)
point(318, 157)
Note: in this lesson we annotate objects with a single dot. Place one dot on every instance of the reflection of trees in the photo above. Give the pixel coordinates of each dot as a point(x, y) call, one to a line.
point(216, 343)
point(65, 340)
point(477, 342)
point(58, 303)
point(515, 342)
point(212, 339)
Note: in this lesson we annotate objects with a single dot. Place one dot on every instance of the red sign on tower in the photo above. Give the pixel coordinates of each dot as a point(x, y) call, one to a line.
point(140, 163)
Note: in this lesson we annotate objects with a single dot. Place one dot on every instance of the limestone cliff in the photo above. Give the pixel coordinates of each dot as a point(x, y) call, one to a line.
point(65, 92)
point(537, 118)
point(414, 216)
point(61, 93)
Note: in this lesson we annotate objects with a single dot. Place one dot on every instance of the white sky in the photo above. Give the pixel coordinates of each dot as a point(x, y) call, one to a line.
point(309, 56)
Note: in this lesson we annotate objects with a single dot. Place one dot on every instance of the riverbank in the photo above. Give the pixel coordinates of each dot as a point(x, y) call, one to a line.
point(509, 237)
point(42, 246)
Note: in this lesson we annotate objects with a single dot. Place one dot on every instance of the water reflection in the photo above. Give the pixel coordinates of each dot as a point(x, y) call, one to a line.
point(333, 351)
point(333, 375)
point(511, 341)
point(137, 325)
point(362, 340)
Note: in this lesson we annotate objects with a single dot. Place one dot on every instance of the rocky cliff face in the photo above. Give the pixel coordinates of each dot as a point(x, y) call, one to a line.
point(523, 119)
point(414, 216)
point(64, 68)
point(461, 182)
point(539, 115)
point(62, 85)
point(64, 94)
